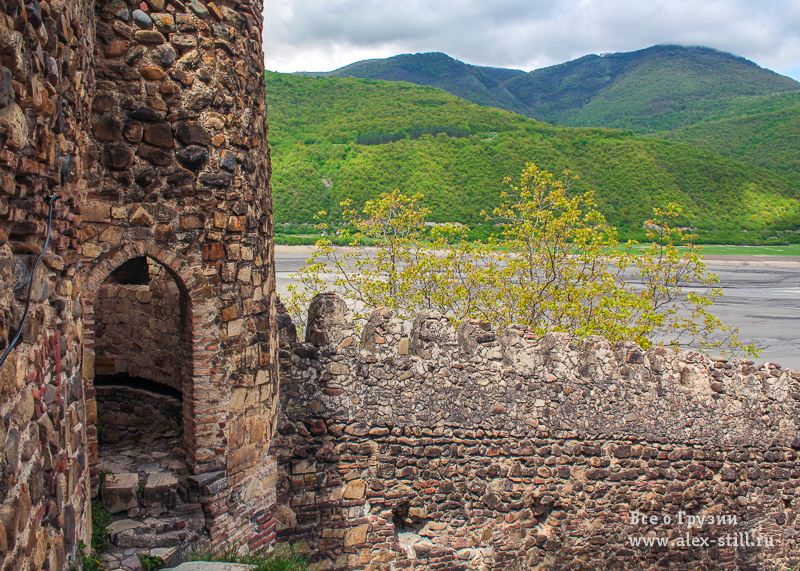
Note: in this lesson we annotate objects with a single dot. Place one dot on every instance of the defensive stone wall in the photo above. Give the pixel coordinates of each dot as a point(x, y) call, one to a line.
point(452, 449)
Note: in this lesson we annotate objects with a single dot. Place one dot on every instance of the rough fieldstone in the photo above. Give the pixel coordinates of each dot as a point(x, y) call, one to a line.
point(228, 160)
point(17, 125)
point(181, 178)
point(164, 22)
point(193, 157)
point(226, 46)
point(329, 320)
point(182, 77)
point(123, 524)
point(3, 539)
point(154, 155)
point(11, 449)
point(161, 490)
point(242, 458)
point(356, 535)
point(118, 492)
point(103, 103)
point(200, 101)
point(107, 130)
point(135, 54)
point(183, 41)
point(215, 11)
point(211, 566)
point(216, 180)
point(355, 490)
point(192, 133)
point(29, 442)
point(204, 75)
point(199, 10)
point(131, 562)
point(69, 526)
point(221, 31)
point(159, 135)
point(119, 9)
point(157, 103)
point(152, 73)
point(133, 131)
point(117, 48)
point(142, 218)
point(34, 13)
point(146, 114)
point(142, 19)
point(165, 55)
point(149, 37)
point(22, 412)
point(117, 157)
point(190, 59)
point(9, 518)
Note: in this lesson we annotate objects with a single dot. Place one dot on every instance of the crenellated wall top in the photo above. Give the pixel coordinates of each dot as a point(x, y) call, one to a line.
point(472, 378)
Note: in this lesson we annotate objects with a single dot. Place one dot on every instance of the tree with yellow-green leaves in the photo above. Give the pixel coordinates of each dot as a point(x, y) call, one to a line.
point(553, 265)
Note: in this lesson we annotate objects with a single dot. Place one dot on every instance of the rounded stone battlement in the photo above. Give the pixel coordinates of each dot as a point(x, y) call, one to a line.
point(555, 382)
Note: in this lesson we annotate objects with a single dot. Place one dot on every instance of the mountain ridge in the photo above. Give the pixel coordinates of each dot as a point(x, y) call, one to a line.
point(645, 90)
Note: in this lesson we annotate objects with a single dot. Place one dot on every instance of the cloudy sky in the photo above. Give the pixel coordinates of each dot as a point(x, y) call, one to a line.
point(322, 35)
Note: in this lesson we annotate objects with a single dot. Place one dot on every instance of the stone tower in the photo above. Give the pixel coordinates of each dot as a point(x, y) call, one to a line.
point(148, 120)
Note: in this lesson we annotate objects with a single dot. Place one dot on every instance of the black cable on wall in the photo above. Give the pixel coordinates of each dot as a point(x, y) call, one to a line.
point(30, 284)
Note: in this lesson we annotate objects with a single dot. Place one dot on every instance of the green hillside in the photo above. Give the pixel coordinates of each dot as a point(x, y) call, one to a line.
point(762, 131)
point(315, 124)
point(481, 85)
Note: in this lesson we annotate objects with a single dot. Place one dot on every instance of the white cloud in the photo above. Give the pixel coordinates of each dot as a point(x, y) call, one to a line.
point(321, 35)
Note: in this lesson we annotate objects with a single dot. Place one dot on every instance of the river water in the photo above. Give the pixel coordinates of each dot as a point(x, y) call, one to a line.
point(761, 296)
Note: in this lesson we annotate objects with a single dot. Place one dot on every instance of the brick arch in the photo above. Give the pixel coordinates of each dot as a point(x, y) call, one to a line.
point(197, 371)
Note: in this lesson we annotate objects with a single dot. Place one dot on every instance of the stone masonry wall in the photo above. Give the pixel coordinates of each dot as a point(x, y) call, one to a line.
point(179, 172)
point(138, 329)
point(448, 449)
point(148, 120)
point(127, 413)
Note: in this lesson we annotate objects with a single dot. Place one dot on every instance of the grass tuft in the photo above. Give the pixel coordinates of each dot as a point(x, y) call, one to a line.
point(280, 559)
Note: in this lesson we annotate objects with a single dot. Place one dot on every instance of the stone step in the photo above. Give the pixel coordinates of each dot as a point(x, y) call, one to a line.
point(144, 539)
point(211, 566)
point(122, 492)
point(156, 532)
point(119, 492)
point(127, 558)
point(160, 490)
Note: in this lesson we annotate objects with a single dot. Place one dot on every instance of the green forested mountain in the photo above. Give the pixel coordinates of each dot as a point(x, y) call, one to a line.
point(481, 85)
point(421, 139)
point(762, 131)
point(654, 89)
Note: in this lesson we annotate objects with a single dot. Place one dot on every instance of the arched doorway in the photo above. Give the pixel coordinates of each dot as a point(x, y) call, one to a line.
point(141, 334)
point(142, 386)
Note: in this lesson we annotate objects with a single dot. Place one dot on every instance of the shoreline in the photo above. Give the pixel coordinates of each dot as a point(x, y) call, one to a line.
point(711, 260)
